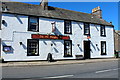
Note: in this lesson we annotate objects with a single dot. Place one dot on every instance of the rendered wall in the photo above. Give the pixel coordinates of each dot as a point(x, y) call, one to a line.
point(15, 31)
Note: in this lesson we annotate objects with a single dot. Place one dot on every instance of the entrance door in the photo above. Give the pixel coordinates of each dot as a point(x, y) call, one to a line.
point(87, 49)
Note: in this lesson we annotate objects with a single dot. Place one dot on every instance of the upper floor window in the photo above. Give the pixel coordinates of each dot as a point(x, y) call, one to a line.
point(86, 29)
point(68, 27)
point(103, 47)
point(33, 24)
point(102, 29)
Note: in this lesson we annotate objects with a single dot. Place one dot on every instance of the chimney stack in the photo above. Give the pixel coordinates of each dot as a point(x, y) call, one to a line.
point(44, 4)
point(97, 11)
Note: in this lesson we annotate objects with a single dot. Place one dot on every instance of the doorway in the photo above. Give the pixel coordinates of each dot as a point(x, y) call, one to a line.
point(86, 49)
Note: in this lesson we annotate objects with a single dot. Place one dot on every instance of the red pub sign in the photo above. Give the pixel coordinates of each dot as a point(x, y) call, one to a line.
point(40, 36)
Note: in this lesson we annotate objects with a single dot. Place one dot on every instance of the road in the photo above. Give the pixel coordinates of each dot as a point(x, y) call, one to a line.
point(107, 69)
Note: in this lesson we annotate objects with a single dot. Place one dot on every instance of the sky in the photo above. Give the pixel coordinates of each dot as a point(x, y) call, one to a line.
point(68, 0)
point(109, 9)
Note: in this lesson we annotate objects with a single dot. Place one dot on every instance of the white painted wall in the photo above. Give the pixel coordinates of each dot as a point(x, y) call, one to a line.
point(15, 31)
point(96, 39)
point(0, 33)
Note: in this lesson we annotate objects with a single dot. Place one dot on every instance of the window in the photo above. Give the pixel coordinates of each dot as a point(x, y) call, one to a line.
point(33, 24)
point(103, 30)
point(7, 48)
point(86, 29)
point(67, 48)
point(68, 27)
point(103, 47)
point(32, 48)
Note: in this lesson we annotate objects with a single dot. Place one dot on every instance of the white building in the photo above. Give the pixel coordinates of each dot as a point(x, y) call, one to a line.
point(30, 32)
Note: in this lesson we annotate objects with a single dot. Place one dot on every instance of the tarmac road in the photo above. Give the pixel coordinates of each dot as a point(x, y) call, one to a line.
point(85, 70)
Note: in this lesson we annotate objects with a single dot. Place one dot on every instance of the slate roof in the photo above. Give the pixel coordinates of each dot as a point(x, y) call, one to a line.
point(52, 12)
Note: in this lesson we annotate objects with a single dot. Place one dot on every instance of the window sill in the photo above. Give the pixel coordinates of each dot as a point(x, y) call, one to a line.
point(67, 33)
point(87, 34)
point(33, 31)
point(32, 55)
point(68, 56)
point(103, 35)
point(103, 54)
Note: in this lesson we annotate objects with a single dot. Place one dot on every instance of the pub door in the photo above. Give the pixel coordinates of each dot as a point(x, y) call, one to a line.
point(86, 49)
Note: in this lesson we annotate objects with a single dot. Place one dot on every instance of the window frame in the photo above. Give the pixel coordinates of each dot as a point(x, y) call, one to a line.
point(88, 28)
point(70, 26)
point(28, 40)
point(102, 27)
point(29, 23)
point(65, 54)
point(103, 43)
point(10, 48)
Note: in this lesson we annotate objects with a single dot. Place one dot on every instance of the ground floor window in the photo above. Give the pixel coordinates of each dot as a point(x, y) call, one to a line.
point(67, 48)
point(103, 47)
point(32, 47)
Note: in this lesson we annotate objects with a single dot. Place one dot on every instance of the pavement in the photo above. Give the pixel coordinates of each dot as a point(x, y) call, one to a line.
point(59, 62)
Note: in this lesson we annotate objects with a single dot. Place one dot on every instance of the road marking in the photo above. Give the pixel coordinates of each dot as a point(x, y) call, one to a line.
point(106, 70)
point(58, 77)
point(55, 77)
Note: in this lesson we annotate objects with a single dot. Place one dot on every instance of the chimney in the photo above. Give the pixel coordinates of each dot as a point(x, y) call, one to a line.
point(97, 11)
point(44, 4)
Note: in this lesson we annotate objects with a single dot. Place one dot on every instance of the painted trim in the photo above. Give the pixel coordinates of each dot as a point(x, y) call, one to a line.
point(70, 27)
point(71, 48)
point(89, 29)
point(101, 31)
point(103, 42)
point(29, 23)
point(28, 46)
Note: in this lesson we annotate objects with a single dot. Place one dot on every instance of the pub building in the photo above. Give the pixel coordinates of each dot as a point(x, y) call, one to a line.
point(30, 32)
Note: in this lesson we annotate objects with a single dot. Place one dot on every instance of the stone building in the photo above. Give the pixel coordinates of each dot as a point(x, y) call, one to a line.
point(117, 40)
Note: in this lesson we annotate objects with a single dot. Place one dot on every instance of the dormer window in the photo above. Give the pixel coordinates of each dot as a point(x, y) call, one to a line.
point(102, 29)
point(33, 24)
point(67, 27)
